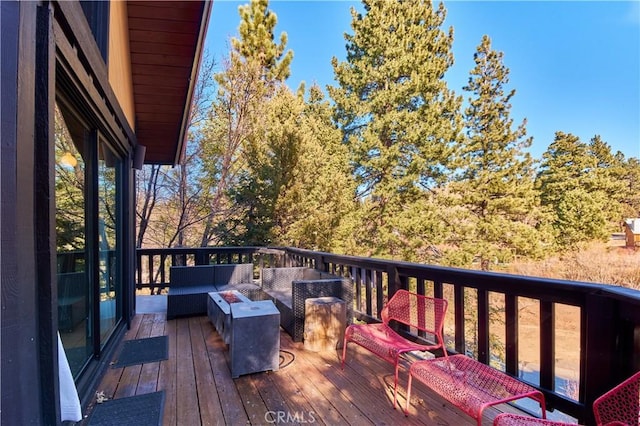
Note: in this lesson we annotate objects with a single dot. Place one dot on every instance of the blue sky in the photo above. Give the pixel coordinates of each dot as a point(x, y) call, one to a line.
point(575, 65)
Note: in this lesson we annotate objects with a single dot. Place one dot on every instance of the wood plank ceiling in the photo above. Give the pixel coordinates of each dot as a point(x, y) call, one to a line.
point(166, 39)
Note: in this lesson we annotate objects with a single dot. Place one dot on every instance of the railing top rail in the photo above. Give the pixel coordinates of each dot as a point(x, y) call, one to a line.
point(191, 249)
point(563, 291)
point(560, 290)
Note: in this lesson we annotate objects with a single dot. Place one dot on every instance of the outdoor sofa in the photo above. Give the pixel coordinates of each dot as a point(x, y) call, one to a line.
point(191, 284)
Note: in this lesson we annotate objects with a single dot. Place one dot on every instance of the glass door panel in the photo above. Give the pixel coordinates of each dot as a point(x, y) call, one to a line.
point(74, 290)
point(109, 281)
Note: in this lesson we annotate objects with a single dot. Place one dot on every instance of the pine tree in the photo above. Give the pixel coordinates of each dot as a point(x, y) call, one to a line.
point(631, 193)
point(312, 209)
point(567, 188)
point(256, 42)
point(498, 215)
point(294, 187)
point(399, 119)
point(269, 171)
point(608, 178)
point(257, 65)
point(299, 188)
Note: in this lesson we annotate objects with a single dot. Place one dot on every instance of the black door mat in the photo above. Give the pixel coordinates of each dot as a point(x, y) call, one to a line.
point(142, 351)
point(139, 410)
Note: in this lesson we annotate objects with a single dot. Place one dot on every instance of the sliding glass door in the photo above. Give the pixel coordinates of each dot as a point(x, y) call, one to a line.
point(88, 191)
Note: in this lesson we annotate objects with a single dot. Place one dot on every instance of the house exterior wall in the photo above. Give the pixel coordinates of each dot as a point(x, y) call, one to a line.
point(27, 329)
point(51, 61)
point(38, 63)
point(119, 63)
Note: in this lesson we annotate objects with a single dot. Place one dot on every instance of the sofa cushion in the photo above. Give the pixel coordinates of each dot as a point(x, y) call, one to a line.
point(192, 275)
point(281, 294)
point(233, 274)
point(190, 285)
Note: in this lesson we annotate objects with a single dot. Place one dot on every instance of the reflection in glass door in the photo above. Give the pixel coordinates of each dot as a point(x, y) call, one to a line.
point(74, 290)
point(87, 173)
point(109, 282)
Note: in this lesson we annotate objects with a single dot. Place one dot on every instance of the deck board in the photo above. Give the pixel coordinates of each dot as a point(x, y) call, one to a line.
point(187, 410)
point(228, 395)
point(274, 400)
point(210, 408)
point(308, 388)
point(341, 402)
point(166, 378)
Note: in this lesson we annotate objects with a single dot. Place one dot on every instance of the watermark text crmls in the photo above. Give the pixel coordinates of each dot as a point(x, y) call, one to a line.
point(278, 417)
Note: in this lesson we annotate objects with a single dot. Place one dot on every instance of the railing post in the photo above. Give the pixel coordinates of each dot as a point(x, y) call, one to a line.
point(151, 275)
point(511, 319)
point(420, 287)
point(600, 344)
point(438, 291)
point(320, 263)
point(379, 293)
point(355, 276)
point(139, 270)
point(163, 278)
point(393, 280)
point(201, 258)
point(483, 326)
point(368, 285)
point(458, 302)
point(547, 344)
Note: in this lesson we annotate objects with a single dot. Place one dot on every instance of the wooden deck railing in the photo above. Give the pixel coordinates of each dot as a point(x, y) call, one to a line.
point(609, 316)
point(153, 265)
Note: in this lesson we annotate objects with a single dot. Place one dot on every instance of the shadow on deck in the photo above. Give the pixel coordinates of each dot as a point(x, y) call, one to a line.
point(308, 388)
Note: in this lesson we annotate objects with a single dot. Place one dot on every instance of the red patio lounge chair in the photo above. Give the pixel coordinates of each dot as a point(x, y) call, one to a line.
point(621, 405)
point(418, 312)
point(470, 385)
point(618, 407)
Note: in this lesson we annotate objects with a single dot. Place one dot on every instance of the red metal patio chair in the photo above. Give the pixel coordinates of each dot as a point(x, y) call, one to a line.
point(620, 405)
point(419, 312)
point(470, 385)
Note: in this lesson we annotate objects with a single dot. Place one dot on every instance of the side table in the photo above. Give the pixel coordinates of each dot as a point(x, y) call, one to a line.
point(255, 337)
point(324, 323)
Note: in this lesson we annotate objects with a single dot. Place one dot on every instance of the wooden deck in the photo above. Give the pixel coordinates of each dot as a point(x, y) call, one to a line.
point(308, 388)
